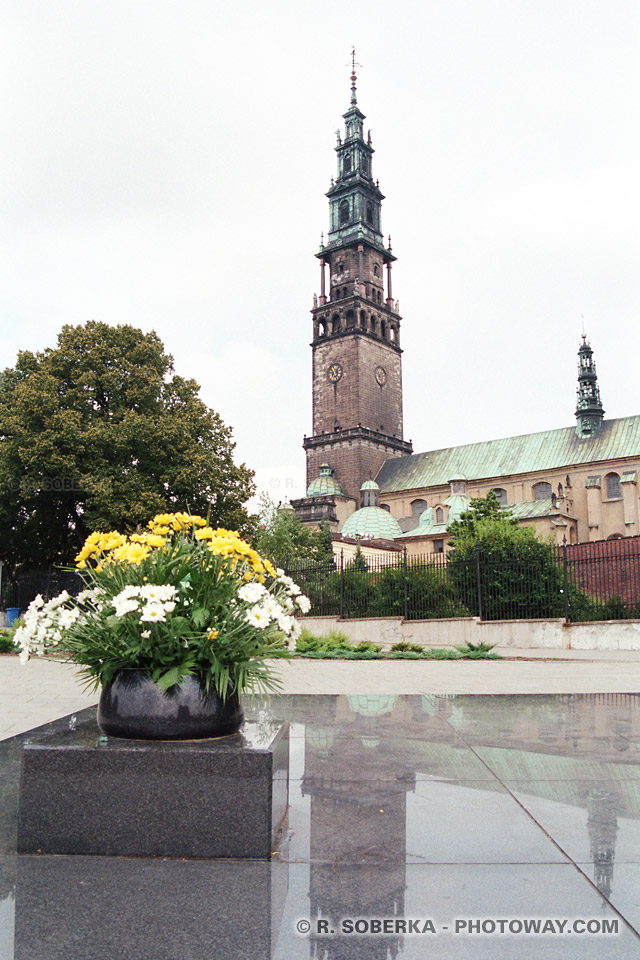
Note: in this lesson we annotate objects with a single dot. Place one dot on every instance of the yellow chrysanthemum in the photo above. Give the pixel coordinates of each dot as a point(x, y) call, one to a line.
point(206, 533)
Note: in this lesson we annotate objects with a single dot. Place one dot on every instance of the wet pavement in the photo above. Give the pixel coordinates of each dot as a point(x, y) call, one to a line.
point(419, 826)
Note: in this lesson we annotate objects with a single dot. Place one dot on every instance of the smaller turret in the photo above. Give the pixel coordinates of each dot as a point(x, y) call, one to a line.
point(589, 411)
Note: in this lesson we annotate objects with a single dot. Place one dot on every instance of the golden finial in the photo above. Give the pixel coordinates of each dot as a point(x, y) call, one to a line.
point(354, 64)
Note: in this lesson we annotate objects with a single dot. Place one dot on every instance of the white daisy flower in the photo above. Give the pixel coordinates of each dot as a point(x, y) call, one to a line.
point(153, 612)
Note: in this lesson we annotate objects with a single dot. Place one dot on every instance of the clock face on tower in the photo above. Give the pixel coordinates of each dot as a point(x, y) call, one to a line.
point(381, 376)
point(334, 374)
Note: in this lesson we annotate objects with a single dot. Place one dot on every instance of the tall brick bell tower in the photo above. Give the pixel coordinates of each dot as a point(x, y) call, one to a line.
point(357, 375)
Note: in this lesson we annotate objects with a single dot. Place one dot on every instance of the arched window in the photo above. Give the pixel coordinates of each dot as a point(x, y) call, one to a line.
point(322, 329)
point(374, 325)
point(392, 334)
point(370, 213)
point(383, 330)
point(439, 516)
point(385, 506)
point(615, 536)
point(347, 163)
point(335, 323)
point(542, 490)
point(376, 270)
point(363, 320)
point(350, 319)
point(613, 486)
point(501, 495)
point(418, 507)
point(343, 212)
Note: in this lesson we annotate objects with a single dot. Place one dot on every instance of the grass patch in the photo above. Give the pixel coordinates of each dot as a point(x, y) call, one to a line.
point(337, 646)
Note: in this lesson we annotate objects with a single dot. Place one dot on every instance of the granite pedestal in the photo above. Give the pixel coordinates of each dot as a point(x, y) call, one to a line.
point(82, 793)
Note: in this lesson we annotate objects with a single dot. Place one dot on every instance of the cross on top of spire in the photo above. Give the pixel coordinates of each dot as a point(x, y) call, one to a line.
point(354, 64)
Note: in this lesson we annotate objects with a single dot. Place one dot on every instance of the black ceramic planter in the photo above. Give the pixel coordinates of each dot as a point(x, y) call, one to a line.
point(134, 708)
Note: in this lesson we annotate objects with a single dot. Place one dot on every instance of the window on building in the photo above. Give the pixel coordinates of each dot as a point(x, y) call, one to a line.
point(383, 330)
point(542, 490)
point(501, 495)
point(438, 546)
point(347, 163)
point(385, 506)
point(418, 507)
point(439, 515)
point(376, 270)
point(613, 486)
point(369, 213)
point(343, 212)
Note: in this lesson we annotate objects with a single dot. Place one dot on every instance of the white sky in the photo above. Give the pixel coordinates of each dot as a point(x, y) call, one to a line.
point(163, 163)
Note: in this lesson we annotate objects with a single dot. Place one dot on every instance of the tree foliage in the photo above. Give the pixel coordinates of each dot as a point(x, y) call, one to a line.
point(100, 433)
point(283, 538)
point(501, 569)
point(480, 509)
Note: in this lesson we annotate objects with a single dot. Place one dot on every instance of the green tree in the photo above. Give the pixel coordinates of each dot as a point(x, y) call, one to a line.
point(100, 433)
point(480, 508)
point(283, 538)
point(505, 571)
point(359, 561)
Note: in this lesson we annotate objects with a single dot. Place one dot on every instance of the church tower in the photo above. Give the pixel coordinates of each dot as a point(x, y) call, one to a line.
point(357, 375)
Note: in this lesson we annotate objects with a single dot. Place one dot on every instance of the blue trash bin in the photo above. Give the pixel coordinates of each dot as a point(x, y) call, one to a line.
point(12, 615)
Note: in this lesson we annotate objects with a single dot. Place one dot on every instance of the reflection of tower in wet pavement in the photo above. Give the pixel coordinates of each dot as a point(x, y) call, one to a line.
point(358, 826)
point(602, 824)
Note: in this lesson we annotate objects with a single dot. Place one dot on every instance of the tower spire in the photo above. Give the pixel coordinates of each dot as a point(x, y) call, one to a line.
point(354, 64)
point(589, 410)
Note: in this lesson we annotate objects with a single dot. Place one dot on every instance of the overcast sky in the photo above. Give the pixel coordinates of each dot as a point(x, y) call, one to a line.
point(163, 163)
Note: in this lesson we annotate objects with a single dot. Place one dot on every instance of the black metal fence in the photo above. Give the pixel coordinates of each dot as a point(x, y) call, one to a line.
point(579, 582)
point(48, 582)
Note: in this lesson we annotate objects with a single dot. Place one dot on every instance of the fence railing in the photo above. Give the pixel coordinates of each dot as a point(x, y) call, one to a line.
point(577, 582)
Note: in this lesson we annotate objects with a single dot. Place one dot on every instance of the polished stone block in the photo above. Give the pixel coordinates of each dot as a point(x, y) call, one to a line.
point(82, 793)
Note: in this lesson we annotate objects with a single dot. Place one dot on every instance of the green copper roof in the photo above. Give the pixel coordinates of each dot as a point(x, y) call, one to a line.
point(325, 486)
point(457, 504)
point(369, 485)
point(529, 453)
point(531, 509)
point(371, 523)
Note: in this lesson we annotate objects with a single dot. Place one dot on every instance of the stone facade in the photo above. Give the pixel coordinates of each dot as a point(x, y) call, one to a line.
point(596, 500)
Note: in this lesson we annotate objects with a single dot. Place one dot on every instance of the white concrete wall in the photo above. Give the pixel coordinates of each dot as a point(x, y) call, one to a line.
point(519, 634)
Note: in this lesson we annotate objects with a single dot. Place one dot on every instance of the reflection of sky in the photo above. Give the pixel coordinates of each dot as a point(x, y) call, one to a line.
point(464, 847)
point(7, 919)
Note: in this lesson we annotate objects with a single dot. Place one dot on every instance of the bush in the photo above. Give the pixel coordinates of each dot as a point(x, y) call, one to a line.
point(6, 642)
point(406, 647)
point(478, 651)
point(331, 642)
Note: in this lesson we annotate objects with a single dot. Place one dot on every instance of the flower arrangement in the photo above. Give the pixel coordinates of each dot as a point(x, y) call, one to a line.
point(177, 599)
